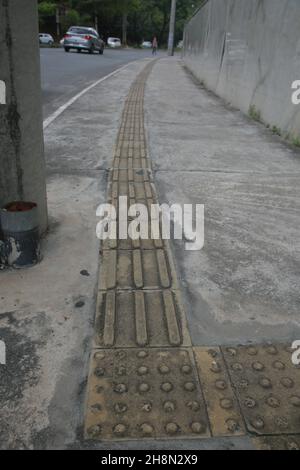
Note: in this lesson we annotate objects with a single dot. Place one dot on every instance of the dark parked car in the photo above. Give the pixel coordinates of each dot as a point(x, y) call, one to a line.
point(83, 39)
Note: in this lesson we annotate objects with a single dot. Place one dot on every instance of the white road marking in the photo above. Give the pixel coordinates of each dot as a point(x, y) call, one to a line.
point(63, 108)
point(2, 92)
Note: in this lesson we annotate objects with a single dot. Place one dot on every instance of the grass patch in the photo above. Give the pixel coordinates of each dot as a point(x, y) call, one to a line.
point(255, 114)
point(276, 131)
point(296, 140)
point(292, 139)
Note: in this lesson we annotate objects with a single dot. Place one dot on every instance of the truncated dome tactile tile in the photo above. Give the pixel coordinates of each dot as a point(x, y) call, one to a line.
point(136, 394)
point(277, 443)
point(267, 385)
point(222, 406)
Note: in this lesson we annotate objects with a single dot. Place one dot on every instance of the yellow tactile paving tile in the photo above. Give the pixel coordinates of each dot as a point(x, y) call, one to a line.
point(222, 406)
point(267, 385)
point(120, 319)
point(144, 394)
point(137, 269)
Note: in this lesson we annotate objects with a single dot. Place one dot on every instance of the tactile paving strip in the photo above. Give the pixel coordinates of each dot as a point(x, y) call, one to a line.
point(137, 269)
point(144, 394)
point(147, 202)
point(132, 190)
point(148, 213)
point(140, 318)
point(131, 244)
point(222, 406)
point(135, 162)
point(267, 385)
point(133, 175)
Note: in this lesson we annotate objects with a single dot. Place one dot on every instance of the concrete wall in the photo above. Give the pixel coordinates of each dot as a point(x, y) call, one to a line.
point(22, 166)
point(248, 52)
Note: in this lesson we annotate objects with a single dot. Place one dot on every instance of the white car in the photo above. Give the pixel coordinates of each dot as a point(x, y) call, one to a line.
point(46, 39)
point(147, 44)
point(114, 42)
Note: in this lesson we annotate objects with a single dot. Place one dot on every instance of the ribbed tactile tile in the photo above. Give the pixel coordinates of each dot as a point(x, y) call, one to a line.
point(136, 161)
point(131, 190)
point(131, 244)
point(127, 212)
point(222, 406)
point(123, 212)
point(267, 385)
point(140, 318)
point(144, 394)
point(137, 269)
point(130, 175)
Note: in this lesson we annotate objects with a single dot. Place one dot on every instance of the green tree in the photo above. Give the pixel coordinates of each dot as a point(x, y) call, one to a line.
point(71, 18)
point(46, 11)
point(133, 20)
point(126, 7)
point(110, 9)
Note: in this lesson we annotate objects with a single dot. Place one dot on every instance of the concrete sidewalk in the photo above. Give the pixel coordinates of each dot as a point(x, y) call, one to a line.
point(47, 313)
point(243, 287)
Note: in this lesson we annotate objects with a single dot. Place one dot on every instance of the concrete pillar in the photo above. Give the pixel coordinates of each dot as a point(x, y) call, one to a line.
point(22, 164)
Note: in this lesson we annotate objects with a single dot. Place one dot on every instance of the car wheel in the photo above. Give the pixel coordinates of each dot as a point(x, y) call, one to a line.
point(50, 43)
point(67, 49)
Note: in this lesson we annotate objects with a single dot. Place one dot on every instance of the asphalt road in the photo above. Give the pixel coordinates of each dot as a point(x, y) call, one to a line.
point(65, 75)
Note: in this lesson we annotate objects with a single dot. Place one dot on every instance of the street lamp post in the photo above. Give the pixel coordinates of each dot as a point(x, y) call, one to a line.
point(172, 29)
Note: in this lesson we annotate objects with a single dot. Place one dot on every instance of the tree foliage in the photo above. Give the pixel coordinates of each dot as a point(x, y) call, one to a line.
point(135, 20)
point(46, 9)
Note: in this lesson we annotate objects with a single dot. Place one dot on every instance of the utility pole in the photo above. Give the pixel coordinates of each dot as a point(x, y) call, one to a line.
point(22, 164)
point(96, 17)
point(124, 28)
point(58, 22)
point(172, 28)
